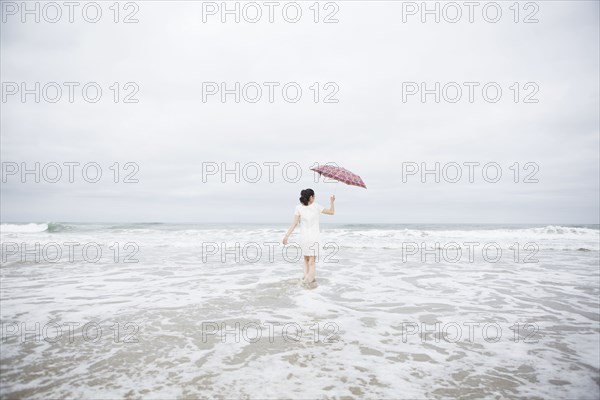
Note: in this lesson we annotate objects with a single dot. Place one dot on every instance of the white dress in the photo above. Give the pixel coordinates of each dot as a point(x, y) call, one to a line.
point(310, 233)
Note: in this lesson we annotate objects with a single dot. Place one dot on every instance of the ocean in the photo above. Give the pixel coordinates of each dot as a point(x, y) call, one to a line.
point(158, 310)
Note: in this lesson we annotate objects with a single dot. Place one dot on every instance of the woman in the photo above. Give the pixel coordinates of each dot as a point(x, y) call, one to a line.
point(307, 214)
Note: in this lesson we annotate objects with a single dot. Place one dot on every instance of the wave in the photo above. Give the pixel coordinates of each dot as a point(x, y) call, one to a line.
point(23, 228)
point(55, 227)
point(548, 237)
point(563, 230)
point(379, 236)
point(51, 227)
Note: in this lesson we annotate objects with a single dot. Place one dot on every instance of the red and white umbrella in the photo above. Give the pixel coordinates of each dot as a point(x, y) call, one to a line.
point(340, 174)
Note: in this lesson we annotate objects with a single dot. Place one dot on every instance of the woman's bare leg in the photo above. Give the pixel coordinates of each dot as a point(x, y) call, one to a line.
point(311, 274)
point(305, 268)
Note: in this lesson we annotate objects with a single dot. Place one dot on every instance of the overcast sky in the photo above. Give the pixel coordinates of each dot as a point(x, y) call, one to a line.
point(365, 57)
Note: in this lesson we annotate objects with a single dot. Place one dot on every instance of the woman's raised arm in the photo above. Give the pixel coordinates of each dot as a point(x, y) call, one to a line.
point(331, 209)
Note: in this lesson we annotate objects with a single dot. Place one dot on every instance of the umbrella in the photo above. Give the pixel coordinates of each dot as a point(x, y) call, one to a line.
point(340, 174)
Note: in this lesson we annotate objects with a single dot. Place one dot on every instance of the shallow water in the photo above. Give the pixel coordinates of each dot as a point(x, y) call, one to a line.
point(175, 325)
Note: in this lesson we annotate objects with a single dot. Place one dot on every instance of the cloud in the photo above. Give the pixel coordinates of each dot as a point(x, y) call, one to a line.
point(171, 132)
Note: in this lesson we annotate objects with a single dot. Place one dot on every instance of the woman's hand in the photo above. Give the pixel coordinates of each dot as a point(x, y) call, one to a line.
point(331, 209)
point(292, 227)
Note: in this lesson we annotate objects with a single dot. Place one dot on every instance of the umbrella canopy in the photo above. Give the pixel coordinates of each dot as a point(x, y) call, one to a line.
point(340, 174)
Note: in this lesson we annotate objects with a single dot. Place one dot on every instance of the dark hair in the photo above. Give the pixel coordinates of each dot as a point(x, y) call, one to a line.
point(305, 196)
